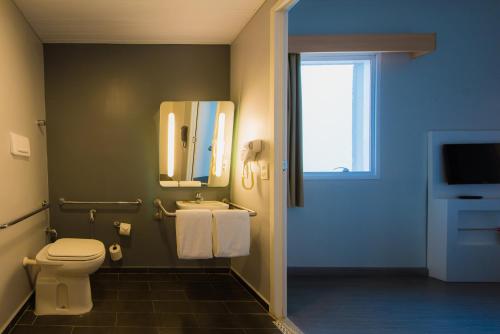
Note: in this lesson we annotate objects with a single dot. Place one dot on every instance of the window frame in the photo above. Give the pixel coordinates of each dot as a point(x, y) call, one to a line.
point(374, 59)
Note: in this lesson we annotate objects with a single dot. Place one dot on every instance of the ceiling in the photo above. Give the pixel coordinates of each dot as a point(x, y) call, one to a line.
point(138, 21)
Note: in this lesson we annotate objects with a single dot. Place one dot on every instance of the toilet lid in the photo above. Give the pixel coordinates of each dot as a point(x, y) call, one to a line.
point(75, 249)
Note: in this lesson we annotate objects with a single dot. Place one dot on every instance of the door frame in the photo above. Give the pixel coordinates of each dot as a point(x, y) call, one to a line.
point(279, 190)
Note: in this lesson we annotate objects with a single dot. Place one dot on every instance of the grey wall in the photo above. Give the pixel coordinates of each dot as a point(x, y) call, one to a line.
point(102, 140)
point(356, 223)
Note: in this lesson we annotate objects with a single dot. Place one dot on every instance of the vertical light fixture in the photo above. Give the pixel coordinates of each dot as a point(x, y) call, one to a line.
point(220, 144)
point(170, 144)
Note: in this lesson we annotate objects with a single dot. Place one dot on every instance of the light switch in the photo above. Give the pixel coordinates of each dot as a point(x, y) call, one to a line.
point(19, 145)
point(264, 170)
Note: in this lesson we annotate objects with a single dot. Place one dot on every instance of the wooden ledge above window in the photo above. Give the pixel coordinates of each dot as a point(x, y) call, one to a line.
point(415, 45)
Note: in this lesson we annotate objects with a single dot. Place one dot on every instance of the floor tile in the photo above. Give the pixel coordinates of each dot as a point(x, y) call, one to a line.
point(199, 331)
point(100, 294)
point(189, 307)
point(157, 320)
point(115, 330)
point(172, 285)
point(245, 307)
point(27, 318)
point(134, 295)
point(168, 295)
point(89, 319)
point(122, 306)
point(263, 331)
point(235, 321)
point(23, 329)
point(148, 277)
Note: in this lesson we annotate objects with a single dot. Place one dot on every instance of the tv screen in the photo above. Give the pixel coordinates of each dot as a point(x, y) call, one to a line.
point(472, 163)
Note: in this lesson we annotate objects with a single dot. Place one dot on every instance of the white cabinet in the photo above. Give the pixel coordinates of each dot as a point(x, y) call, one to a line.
point(463, 242)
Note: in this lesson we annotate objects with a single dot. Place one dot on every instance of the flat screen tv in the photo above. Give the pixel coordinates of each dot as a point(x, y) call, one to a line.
point(472, 163)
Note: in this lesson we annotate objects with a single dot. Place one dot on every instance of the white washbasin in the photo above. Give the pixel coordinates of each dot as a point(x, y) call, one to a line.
point(210, 205)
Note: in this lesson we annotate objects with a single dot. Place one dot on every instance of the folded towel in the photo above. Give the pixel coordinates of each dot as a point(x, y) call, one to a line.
point(231, 233)
point(192, 184)
point(194, 234)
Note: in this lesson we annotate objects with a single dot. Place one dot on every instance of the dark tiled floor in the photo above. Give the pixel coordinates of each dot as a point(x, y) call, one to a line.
point(160, 303)
point(390, 305)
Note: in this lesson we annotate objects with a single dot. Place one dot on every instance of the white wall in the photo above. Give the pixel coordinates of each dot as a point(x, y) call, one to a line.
point(23, 182)
point(250, 91)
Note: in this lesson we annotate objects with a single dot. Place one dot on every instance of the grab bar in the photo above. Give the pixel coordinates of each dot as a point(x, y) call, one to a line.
point(62, 202)
point(163, 212)
point(251, 212)
point(44, 206)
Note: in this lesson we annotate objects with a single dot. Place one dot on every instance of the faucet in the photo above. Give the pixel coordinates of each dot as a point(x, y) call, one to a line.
point(198, 197)
point(92, 215)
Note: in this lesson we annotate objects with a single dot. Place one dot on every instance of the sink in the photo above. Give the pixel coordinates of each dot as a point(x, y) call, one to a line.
point(210, 205)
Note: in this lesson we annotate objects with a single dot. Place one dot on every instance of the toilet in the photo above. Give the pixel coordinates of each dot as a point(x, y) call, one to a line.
point(63, 285)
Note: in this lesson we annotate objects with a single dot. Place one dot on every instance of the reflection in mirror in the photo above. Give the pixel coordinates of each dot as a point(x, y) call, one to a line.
point(195, 141)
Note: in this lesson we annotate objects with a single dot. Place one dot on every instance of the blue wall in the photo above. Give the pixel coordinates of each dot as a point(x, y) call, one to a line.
point(356, 223)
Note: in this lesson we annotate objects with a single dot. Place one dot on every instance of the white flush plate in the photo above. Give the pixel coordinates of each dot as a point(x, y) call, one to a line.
point(19, 145)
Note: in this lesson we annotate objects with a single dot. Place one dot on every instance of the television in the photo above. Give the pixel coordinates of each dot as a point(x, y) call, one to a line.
point(472, 163)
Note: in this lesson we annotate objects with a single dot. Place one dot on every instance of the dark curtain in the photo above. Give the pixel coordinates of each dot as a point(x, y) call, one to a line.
point(295, 170)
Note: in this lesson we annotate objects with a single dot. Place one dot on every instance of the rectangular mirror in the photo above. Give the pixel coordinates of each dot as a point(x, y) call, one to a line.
point(195, 141)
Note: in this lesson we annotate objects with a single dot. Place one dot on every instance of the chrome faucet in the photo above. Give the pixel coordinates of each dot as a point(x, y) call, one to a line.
point(92, 215)
point(198, 197)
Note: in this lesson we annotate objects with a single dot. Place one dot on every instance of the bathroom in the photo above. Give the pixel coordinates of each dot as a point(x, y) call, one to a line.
point(86, 102)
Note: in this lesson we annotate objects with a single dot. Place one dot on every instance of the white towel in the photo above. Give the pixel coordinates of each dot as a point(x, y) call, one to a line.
point(231, 233)
point(193, 229)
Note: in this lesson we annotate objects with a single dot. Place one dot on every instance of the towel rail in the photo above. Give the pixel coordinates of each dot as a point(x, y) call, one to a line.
point(161, 211)
point(45, 206)
point(137, 202)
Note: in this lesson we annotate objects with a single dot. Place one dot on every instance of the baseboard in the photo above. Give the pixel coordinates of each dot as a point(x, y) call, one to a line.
point(263, 301)
point(17, 315)
point(204, 270)
point(358, 271)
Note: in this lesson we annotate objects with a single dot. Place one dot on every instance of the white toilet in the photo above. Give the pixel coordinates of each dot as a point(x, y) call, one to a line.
point(63, 286)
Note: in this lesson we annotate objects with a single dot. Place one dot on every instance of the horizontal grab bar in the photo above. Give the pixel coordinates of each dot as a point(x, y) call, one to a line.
point(62, 202)
point(44, 206)
point(163, 212)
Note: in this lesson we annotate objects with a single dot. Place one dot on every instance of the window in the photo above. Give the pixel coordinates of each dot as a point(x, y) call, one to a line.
point(338, 112)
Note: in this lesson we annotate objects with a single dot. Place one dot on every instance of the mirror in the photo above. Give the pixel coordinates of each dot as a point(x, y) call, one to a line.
point(195, 141)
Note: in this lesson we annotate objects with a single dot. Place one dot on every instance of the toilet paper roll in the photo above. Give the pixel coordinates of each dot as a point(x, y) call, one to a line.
point(115, 251)
point(125, 229)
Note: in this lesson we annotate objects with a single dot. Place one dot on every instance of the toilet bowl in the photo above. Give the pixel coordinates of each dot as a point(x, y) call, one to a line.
point(63, 285)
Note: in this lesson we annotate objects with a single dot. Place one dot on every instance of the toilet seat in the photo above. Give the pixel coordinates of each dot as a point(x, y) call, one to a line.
point(72, 249)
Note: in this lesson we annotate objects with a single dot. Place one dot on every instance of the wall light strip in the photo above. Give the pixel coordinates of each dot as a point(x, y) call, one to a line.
point(170, 144)
point(220, 144)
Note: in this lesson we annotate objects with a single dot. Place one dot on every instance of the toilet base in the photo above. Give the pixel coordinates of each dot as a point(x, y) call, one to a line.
point(62, 295)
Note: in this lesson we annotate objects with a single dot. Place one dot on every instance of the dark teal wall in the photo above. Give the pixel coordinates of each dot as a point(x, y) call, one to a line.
point(102, 141)
point(371, 223)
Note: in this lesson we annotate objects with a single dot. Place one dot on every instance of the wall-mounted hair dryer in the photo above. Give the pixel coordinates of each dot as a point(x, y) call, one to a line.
point(184, 135)
point(248, 154)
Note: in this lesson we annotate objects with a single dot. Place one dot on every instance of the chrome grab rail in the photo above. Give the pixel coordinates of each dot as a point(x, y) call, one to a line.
point(45, 206)
point(161, 211)
point(251, 212)
point(62, 202)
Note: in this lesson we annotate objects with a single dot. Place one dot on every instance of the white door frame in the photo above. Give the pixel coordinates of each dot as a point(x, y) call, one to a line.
point(278, 205)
